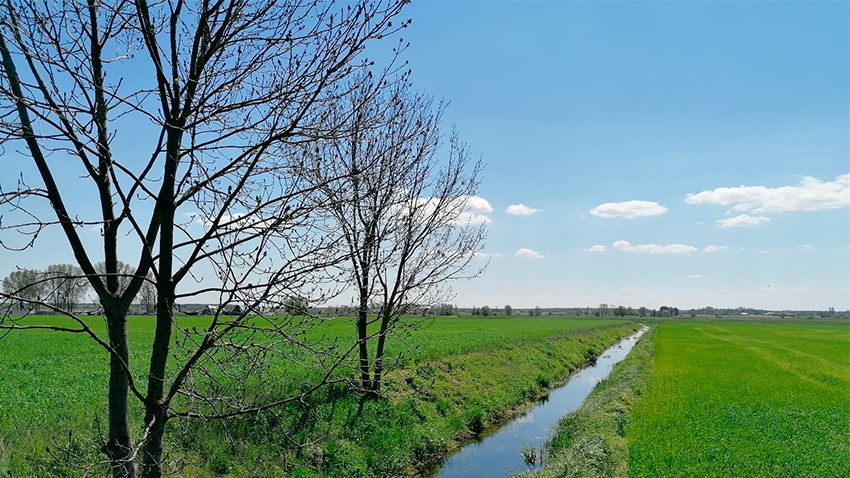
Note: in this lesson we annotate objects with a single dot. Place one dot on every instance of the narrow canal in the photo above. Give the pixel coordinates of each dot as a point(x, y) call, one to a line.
point(499, 454)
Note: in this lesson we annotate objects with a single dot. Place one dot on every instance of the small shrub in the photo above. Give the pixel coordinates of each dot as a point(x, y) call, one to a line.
point(475, 422)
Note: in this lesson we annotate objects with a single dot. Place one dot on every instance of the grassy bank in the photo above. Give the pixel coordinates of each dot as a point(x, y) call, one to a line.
point(591, 442)
point(749, 400)
point(437, 405)
point(465, 374)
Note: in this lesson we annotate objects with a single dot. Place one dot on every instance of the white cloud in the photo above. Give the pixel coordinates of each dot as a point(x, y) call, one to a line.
point(528, 254)
point(470, 210)
point(654, 248)
point(742, 221)
point(474, 210)
point(807, 247)
point(477, 204)
point(628, 209)
point(810, 195)
point(714, 248)
point(467, 217)
point(521, 210)
point(596, 248)
point(693, 276)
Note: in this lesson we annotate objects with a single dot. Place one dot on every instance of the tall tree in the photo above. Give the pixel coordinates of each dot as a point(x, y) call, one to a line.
point(25, 286)
point(176, 115)
point(401, 212)
point(66, 286)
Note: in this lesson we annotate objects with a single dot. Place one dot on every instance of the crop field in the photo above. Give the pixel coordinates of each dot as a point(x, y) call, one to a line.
point(748, 400)
point(55, 382)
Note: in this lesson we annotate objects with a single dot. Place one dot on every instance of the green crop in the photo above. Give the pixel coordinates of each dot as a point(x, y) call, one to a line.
point(745, 400)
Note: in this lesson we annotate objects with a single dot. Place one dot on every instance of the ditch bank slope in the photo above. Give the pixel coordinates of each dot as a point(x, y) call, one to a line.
point(431, 411)
point(591, 442)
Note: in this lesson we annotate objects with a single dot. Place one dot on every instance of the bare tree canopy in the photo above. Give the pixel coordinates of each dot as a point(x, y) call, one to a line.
point(398, 208)
point(165, 125)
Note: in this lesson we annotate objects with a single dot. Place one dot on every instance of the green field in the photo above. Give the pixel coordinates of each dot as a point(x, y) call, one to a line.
point(745, 400)
point(703, 398)
point(462, 374)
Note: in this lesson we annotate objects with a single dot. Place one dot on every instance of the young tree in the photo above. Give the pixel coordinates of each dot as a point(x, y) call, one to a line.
point(176, 115)
point(485, 311)
point(508, 310)
point(400, 212)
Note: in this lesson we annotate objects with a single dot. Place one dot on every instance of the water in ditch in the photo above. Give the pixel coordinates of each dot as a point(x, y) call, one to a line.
point(499, 454)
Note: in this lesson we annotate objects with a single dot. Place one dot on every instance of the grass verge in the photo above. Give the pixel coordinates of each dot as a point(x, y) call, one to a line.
point(591, 442)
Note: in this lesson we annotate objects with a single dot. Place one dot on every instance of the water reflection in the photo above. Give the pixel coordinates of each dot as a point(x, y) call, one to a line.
point(502, 452)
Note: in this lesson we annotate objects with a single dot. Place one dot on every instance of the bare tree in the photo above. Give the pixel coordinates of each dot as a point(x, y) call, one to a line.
point(122, 272)
point(25, 286)
point(65, 286)
point(147, 294)
point(400, 211)
point(175, 114)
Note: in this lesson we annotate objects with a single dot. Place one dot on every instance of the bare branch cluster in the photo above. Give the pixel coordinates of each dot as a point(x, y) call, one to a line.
point(401, 213)
point(169, 127)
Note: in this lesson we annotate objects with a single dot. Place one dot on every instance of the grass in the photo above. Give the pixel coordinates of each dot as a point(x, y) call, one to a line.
point(745, 399)
point(466, 374)
point(591, 442)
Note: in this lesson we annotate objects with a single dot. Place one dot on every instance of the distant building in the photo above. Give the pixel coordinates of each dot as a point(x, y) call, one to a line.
point(210, 310)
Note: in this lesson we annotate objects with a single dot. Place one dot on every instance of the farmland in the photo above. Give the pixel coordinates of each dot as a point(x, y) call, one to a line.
point(742, 399)
point(705, 397)
point(476, 371)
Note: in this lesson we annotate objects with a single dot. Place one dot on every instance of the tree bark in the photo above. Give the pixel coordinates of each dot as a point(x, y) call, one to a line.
point(362, 335)
point(119, 448)
point(379, 353)
point(156, 403)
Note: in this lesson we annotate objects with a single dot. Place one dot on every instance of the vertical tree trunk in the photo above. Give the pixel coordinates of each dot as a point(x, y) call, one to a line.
point(362, 334)
point(119, 448)
point(379, 353)
point(155, 418)
point(156, 406)
point(156, 402)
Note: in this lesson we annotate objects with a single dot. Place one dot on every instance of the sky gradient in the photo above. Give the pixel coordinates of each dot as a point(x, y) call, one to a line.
point(610, 130)
point(686, 154)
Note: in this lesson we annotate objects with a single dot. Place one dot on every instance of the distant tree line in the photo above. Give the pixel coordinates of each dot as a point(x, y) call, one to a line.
point(65, 287)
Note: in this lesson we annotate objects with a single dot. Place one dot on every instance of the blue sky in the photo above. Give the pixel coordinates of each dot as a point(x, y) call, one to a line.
point(667, 153)
point(573, 105)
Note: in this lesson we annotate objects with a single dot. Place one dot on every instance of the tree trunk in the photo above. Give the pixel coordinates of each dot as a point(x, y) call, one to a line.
point(155, 419)
point(156, 407)
point(156, 403)
point(362, 334)
point(120, 447)
point(379, 353)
